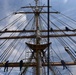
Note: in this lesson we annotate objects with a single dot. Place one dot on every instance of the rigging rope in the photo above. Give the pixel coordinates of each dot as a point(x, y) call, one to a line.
point(7, 49)
point(13, 22)
point(18, 59)
point(9, 15)
point(65, 15)
point(59, 29)
point(25, 27)
point(62, 22)
point(17, 28)
point(59, 39)
point(6, 17)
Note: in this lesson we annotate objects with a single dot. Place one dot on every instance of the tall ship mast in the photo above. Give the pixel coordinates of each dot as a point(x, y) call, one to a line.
point(34, 42)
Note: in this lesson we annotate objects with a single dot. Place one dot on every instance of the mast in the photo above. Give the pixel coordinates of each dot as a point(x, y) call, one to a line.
point(38, 52)
point(37, 47)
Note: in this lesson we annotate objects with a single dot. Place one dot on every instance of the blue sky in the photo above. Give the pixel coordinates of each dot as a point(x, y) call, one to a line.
point(8, 6)
point(67, 7)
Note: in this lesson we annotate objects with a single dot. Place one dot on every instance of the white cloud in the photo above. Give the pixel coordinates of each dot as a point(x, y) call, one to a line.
point(16, 17)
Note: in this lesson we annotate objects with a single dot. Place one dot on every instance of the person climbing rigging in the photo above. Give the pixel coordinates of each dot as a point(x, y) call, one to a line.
point(21, 64)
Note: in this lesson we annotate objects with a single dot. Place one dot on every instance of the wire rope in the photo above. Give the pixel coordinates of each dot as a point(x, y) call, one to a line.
point(12, 23)
point(17, 28)
point(58, 48)
point(17, 60)
point(59, 29)
point(65, 15)
point(73, 53)
point(23, 51)
point(9, 15)
point(62, 22)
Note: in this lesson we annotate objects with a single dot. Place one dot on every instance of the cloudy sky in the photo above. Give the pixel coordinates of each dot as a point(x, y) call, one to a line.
point(67, 7)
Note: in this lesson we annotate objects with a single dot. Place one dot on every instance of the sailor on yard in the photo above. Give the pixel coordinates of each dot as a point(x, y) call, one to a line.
point(64, 65)
point(6, 66)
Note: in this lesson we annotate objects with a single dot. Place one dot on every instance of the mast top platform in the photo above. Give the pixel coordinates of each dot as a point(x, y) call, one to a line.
point(37, 46)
